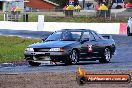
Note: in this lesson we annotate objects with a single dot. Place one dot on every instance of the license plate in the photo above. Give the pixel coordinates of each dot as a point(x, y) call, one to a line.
point(47, 58)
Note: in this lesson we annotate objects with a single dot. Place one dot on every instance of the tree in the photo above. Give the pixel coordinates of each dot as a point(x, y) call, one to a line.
point(76, 2)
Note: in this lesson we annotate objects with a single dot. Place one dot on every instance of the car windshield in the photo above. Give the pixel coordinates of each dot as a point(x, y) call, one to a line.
point(65, 36)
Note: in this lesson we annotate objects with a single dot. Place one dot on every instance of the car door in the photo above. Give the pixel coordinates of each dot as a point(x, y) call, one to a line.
point(89, 45)
point(98, 44)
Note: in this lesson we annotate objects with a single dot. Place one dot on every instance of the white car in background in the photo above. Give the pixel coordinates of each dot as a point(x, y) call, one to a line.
point(118, 4)
point(129, 27)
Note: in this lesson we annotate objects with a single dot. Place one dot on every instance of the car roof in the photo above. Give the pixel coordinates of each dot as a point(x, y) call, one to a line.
point(82, 30)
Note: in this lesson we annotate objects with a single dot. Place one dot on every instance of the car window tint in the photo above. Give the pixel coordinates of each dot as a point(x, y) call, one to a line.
point(54, 36)
point(76, 35)
point(65, 36)
point(88, 35)
point(96, 36)
point(71, 35)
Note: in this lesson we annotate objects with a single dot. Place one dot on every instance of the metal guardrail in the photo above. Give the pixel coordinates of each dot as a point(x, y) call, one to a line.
point(16, 17)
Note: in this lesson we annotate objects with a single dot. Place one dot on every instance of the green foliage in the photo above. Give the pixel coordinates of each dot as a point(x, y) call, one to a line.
point(1, 17)
point(12, 48)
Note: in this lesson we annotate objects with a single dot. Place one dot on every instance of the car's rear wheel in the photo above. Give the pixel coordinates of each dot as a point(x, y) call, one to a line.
point(128, 31)
point(106, 57)
point(34, 63)
point(74, 57)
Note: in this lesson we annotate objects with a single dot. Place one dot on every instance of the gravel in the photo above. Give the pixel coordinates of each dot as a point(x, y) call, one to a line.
point(57, 80)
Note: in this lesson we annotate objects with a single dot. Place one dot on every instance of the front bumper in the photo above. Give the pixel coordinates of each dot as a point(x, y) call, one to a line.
point(46, 56)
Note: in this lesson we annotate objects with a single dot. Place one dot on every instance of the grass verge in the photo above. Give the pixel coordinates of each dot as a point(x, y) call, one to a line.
point(12, 48)
point(33, 17)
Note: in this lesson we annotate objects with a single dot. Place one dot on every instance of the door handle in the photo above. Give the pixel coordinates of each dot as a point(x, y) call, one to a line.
point(96, 44)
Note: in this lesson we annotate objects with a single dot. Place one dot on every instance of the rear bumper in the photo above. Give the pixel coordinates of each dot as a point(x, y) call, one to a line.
point(46, 56)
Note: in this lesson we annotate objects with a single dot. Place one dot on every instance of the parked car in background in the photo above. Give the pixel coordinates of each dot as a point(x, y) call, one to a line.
point(70, 46)
point(118, 4)
point(129, 27)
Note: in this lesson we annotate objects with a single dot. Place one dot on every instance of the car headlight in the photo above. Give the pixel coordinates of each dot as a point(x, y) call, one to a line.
point(29, 49)
point(57, 49)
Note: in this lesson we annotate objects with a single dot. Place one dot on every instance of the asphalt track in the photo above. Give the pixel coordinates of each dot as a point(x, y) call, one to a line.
point(120, 61)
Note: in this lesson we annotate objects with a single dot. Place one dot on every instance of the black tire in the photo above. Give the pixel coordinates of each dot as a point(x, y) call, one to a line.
point(106, 57)
point(128, 31)
point(67, 61)
point(74, 57)
point(34, 63)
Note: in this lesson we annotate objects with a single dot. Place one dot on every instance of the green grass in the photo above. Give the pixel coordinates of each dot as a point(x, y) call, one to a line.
point(12, 48)
point(1, 17)
point(80, 19)
point(83, 19)
point(33, 17)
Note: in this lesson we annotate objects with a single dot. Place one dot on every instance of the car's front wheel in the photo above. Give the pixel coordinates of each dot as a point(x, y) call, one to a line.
point(74, 57)
point(33, 63)
point(106, 57)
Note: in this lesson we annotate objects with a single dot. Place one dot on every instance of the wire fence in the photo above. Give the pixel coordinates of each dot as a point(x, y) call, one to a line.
point(32, 15)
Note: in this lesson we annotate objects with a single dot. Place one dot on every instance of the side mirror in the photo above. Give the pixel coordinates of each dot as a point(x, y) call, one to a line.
point(43, 39)
point(84, 40)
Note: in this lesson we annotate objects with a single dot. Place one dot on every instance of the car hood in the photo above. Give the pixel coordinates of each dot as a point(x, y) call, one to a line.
point(52, 44)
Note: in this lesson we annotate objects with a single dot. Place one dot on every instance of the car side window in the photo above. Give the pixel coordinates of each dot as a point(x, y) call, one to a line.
point(88, 35)
point(67, 35)
point(96, 36)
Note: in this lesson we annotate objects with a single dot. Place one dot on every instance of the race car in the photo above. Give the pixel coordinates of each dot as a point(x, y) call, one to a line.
point(69, 46)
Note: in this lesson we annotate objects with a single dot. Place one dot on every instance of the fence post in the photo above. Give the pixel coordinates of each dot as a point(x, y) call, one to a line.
point(40, 25)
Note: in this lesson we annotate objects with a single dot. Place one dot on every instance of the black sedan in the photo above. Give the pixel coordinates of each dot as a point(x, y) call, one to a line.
point(70, 46)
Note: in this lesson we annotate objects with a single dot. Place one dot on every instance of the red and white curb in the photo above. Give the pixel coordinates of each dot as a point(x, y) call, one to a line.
point(123, 29)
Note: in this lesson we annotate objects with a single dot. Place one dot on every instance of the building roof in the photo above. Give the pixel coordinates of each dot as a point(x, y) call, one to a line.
point(27, 0)
point(9, 0)
point(51, 2)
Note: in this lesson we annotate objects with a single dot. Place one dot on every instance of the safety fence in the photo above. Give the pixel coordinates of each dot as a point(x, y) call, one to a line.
point(31, 16)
